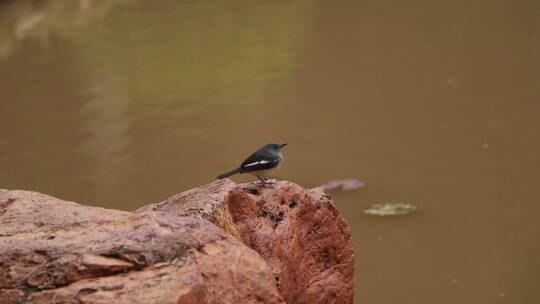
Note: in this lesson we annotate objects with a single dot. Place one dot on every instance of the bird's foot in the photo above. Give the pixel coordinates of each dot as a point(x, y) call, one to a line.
point(267, 182)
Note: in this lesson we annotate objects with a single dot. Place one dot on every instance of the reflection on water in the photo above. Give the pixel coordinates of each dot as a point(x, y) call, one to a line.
point(39, 19)
point(122, 103)
point(107, 128)
point(141, 68)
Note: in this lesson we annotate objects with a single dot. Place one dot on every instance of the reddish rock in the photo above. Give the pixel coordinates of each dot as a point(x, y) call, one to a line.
point(53, 251)
point(209, 202)
point(299, 233)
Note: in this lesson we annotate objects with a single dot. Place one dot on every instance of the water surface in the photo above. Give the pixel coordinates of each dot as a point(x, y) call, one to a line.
point(123, 103)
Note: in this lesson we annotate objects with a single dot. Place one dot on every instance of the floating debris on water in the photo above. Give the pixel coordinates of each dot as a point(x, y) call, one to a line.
point(390, 209)
point(344, 185)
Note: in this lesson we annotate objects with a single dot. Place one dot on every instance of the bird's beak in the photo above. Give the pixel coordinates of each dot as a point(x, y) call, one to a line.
point(282, 145)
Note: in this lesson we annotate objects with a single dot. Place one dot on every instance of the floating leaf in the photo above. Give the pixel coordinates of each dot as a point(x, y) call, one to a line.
point(344, 185)
point(390, 209)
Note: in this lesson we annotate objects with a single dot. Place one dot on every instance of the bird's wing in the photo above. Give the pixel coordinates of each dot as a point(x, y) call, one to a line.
point(259, 161)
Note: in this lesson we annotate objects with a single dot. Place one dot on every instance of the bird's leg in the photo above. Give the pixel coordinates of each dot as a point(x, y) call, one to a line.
point(261, 179)
point(265, 182)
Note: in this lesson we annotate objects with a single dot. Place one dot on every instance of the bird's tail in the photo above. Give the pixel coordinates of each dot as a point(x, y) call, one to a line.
point(227, 174)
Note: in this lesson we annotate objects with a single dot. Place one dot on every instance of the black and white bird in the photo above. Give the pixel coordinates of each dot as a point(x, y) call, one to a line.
point(260, 163)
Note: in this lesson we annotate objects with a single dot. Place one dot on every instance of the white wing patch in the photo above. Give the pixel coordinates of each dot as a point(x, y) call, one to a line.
point(261, 162)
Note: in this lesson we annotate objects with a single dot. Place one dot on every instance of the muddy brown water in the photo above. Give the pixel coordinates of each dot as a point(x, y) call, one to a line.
point(124, 103)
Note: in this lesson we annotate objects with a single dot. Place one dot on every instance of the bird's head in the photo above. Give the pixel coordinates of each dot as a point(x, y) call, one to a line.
point(275, 147)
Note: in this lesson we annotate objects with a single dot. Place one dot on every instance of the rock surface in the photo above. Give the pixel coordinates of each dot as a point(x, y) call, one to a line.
point(298, 232)
point(53, 251)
